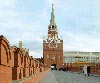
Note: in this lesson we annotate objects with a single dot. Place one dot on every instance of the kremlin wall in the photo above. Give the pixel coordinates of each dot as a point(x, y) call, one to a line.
point(16, 64)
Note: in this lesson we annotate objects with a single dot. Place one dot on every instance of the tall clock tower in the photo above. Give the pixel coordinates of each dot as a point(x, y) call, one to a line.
point(53, 46)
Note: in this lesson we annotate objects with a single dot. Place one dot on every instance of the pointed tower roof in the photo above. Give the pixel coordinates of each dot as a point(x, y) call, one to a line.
point(52, 20)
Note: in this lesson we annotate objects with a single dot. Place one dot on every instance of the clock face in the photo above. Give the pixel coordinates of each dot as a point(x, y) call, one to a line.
point(53, 44)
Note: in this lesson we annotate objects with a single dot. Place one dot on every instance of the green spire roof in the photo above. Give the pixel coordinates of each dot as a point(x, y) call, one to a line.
point(52, 20)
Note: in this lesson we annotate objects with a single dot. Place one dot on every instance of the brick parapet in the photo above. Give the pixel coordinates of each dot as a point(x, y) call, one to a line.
point(16, 62)
point(5, 74)
point(5, 55)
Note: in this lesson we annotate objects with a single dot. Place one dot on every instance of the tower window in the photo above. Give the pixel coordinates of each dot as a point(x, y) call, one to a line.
point(52, 26)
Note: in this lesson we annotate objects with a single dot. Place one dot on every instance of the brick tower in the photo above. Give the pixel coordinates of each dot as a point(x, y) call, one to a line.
point(53, 46)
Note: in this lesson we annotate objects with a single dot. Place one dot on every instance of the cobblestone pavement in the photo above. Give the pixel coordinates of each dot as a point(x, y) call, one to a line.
point(68, 77)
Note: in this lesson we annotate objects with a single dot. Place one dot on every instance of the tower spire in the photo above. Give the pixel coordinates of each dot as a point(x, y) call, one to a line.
point(52, 20)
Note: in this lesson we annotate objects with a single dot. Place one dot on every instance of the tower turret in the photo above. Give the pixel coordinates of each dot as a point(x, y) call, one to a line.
point(20, 44)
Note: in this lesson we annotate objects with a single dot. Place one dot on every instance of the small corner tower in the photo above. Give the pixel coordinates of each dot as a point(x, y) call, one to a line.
point(20, 44)
point(53, 45)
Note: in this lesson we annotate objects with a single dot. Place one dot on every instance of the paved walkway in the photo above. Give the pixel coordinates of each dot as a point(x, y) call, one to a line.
point(68, 77)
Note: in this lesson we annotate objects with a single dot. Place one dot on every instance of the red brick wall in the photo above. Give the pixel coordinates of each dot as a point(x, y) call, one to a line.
point(12, 51)
point(14, 75)
point(34, 66)
point(5, 74)
point(26, 65)
point(26, 71)
point(17, 73)
point(53, 52)
point(16, 64)
point(5, 56)
point(6, 61)
point(18, 58)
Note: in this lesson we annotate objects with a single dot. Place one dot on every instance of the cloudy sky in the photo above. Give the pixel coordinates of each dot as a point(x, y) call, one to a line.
point(78, 22)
